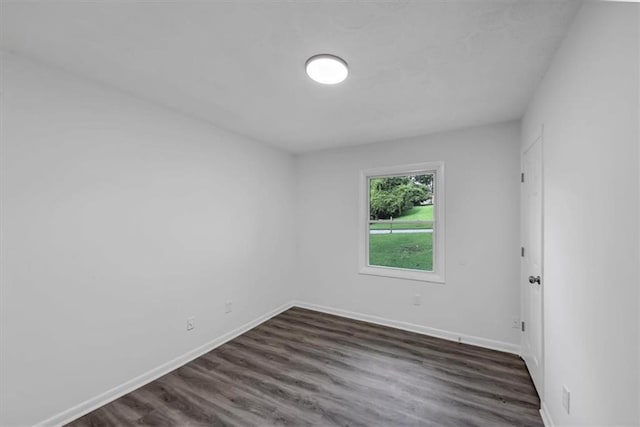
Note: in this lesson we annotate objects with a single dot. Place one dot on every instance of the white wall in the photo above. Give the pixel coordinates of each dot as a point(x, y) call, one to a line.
point(481, 294)
point(119, 220)
point(588, 105)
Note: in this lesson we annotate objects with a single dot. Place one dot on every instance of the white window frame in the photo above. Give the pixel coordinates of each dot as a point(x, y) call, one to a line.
point(435, 276)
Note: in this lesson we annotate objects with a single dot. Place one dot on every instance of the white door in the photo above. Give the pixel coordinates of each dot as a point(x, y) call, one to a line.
point(532, 281)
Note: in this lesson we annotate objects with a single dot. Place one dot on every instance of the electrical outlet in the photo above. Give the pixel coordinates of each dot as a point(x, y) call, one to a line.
point(417, 299)
point(566, 398)
point(515, 323)
point(228, 306)
point(191, 323)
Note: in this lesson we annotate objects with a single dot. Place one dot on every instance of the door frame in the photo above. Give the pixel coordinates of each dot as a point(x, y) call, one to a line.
point(524, 283)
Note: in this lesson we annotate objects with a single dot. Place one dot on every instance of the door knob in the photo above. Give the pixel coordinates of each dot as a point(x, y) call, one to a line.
point(535, 279)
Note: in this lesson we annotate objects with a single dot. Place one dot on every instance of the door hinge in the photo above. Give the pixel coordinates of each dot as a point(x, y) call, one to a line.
point(522, 251)
point(522, 177)
point(522, 326)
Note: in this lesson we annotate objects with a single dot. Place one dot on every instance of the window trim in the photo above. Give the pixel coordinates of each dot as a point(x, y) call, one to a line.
point(435, 276)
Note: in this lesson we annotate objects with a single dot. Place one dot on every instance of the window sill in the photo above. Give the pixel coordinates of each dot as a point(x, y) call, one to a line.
point(400, 273)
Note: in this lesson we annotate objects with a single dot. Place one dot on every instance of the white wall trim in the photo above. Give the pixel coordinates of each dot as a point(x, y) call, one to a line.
point(411, 327)
point(546, 417)
point(141, 380)
point(155, 373)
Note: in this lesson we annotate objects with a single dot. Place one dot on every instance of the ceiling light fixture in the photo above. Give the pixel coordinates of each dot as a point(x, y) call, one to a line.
point(327, 69)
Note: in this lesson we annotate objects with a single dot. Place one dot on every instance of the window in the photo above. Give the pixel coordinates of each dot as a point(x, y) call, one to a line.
point(402, 222)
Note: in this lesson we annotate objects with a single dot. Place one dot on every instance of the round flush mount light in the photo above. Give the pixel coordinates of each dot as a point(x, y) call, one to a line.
point(327, 69)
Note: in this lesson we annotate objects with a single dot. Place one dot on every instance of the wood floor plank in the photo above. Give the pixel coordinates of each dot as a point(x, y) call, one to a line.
point(308, 368)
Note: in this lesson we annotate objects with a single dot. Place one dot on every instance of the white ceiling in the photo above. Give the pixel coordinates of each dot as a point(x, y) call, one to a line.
point(416, 67)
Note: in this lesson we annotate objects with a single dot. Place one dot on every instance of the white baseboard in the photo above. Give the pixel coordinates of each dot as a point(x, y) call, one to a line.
point(135, 383)
point(411, 327)
point(546, 418)
point(127, 387)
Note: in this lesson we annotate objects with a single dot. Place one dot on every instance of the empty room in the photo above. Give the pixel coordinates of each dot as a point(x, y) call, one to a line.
point(319, 213)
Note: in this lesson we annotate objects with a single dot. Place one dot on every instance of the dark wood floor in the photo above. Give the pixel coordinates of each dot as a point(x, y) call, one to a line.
point(307, 368)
